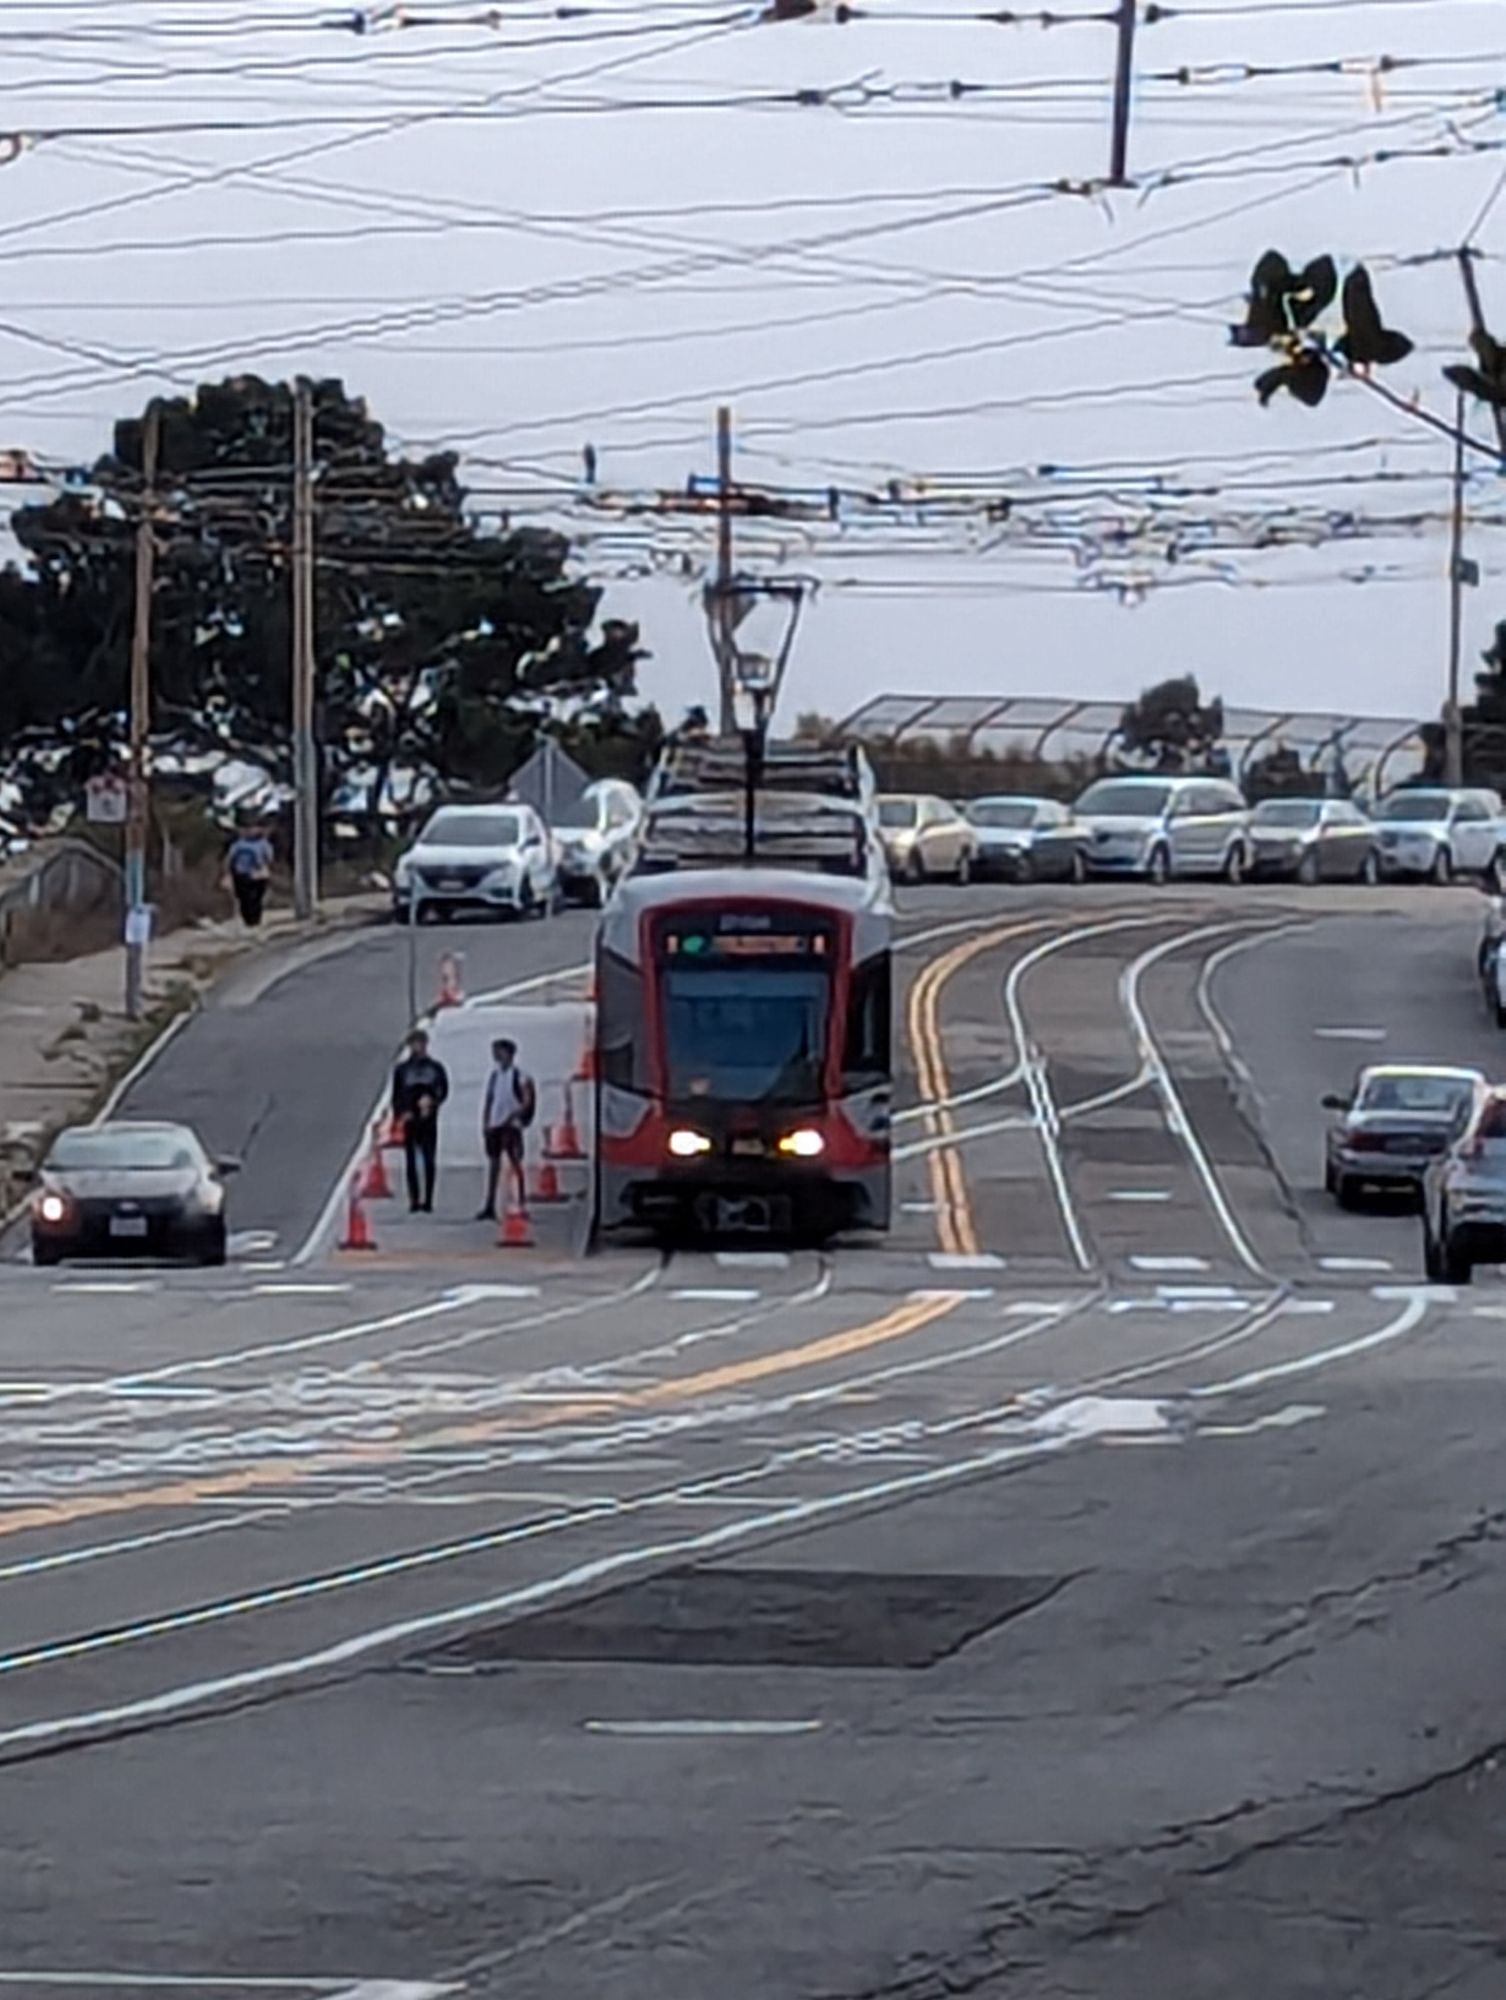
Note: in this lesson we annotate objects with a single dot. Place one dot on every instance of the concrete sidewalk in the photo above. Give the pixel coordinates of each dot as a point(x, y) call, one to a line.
point(64, 1036)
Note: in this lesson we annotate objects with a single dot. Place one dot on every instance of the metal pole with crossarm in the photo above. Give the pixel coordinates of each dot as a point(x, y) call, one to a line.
point(138, 914)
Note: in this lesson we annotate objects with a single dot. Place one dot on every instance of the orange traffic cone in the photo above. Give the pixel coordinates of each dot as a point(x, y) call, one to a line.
point(376, 1186)
point(515, 1231)
point(546, 1182)
point(563, 1142)
point(585, 1069)
point(451, 993)
point(358, 1233)
point(392, 1132)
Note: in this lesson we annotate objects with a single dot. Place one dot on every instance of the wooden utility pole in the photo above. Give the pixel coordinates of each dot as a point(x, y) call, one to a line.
point(305, 750)
point(1124, 71)
point(1453, 725)
point(722, 625)
point(138, 808)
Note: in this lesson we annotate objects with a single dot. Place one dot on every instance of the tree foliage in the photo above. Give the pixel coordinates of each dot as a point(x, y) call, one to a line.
point(1172, 728)
point(439, 639)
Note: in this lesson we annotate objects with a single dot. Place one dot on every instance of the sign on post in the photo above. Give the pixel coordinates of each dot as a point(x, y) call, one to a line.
point(106, 801)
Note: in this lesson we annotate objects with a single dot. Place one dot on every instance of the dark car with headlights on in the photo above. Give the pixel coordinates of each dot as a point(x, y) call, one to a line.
point(1312, 840)
point(129, 1189)
point(1027, 840)
point(1399, 1117)
point(1464, 1196)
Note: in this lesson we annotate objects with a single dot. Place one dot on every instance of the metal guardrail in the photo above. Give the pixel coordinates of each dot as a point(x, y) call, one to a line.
point(1377, 749)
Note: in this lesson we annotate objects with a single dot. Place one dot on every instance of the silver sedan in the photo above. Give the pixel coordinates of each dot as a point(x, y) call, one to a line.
point(1398, 1118)
point(1312, 840)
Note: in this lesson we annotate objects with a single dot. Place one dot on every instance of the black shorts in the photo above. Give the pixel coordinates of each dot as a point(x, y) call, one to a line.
point(505, 1142)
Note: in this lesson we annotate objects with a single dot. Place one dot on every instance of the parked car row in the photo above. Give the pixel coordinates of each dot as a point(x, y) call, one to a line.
point(1161, 829)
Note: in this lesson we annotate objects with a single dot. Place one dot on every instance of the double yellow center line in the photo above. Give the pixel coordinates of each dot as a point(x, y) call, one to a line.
point(956, 1230)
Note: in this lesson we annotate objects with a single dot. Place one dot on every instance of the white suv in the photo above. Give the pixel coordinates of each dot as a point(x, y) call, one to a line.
point(594, 838)
point(1441, 834)
point(487, 858)
point(1161, 827)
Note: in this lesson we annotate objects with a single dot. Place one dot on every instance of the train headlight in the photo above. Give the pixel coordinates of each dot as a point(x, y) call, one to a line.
point(804, 1144)
point(688, 1145)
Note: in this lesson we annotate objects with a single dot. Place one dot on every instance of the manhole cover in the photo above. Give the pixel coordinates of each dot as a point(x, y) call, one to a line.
point(764, 1618)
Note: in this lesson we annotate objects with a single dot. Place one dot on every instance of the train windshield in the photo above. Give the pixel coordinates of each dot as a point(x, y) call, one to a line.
point(747, 1037)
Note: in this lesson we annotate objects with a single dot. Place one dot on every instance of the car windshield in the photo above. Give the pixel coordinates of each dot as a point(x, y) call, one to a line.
point(467, 829)
point(1426, 1095)
point(1002, 812)
point(732, 1038)
point(121, 1152)
point(1125, 799)
point(897, 812)
point(1415, 805)
point(1288, 812)
point(582, 812)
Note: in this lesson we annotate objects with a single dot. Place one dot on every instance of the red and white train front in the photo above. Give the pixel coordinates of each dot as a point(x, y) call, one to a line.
point(743, 1053)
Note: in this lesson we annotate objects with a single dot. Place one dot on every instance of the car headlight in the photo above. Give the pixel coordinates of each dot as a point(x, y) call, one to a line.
point(686, 1144)
point(52, 1207)
point(805, 1143)
point(503, 874)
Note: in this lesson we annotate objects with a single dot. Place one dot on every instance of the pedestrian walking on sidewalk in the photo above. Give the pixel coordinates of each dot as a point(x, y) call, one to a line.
point(420, 1085)
point(507, 1111)
point(249, 867)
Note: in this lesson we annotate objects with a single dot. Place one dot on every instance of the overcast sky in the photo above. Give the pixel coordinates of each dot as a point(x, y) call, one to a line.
point(519, 249)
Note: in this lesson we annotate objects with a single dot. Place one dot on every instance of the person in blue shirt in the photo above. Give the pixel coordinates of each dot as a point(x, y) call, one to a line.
point(249, 865)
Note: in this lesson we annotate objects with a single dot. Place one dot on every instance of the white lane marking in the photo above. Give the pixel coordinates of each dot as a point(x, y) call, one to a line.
point(252, 1242)
point(530, 985)
point(735, 1293)
point(301, 1289)
point(178, 1982)
point(959, 1260)
point(919, 1207)
point(1278, 1420)
point(394, 1989)
point(1356, 1263)
point(1177, 1121)
point(470, 1295)
point(1017, 1121)
point(1195, 1291)
point(705, 1726)
point(753, 1260)
point(953, 1292)
point(1417, 1299)
point(1169, 1263)
point(1141, 1194)
point(1351, 1034)
point(1299, 1306)
point(107, 1288)
point(1085, 1106)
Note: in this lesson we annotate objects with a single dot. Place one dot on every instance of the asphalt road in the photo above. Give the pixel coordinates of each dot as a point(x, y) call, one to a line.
point(1092, 1590)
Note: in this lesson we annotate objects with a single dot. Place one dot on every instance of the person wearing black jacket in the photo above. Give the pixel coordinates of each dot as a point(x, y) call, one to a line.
point(420, 1085)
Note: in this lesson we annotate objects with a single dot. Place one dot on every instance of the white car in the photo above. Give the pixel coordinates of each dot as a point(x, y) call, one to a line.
point(492, 859)
point(594, 840)
point(1161, 827)
point(1440, 834)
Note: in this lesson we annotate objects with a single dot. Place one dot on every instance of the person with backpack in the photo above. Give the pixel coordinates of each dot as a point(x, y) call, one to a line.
point(248, 868)
point(507, 1111)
